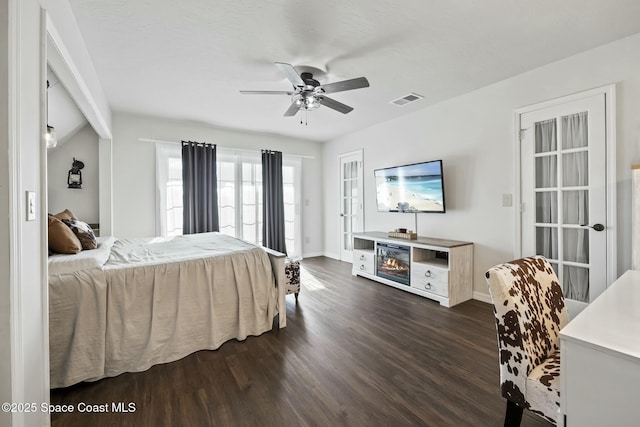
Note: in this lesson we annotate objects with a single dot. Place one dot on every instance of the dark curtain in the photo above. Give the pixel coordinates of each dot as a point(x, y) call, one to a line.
point(273, 201)
point(199, 188)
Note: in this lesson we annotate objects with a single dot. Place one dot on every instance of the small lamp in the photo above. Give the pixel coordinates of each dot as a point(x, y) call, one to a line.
point(74, 179)
point(50, 137)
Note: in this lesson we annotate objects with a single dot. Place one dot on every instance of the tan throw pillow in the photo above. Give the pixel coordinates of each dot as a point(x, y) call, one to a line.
point(65, 214)
point(83, 232)
point(61, 238)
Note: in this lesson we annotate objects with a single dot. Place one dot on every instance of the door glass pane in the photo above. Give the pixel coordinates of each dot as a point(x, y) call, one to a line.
point(546, 135)
point(547, 242)
point(347, 188)
point(354, 188)
point(354, 170)
point(348, 245)
point(575, 131)
point(249, 232)
point(347, 170)
point(546, 171)
point(347, 225)
point(249, 214)
point(575, 169)
point(575, 283)
point(547, 207)
point(575, 207)
point(289, 212)
point(576, 244)
point(347, 206)
point(227, 220)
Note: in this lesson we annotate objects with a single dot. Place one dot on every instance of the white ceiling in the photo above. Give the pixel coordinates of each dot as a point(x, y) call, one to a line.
point(188, 59)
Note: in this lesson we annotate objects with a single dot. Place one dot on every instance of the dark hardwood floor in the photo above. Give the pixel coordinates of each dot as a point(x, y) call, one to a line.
point(354, 353)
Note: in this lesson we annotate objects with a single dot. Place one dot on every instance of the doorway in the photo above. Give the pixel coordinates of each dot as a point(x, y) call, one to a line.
point(351, 202)
point(566, 171)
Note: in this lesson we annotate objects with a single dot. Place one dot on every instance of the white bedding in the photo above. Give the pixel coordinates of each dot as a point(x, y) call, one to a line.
point(84, 260)
point(157, 301)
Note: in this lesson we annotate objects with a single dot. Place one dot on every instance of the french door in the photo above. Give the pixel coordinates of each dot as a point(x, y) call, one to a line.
point(351, 202)
point(563, 184)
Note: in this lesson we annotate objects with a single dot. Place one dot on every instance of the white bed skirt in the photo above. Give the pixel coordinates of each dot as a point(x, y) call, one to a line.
point(156, 302)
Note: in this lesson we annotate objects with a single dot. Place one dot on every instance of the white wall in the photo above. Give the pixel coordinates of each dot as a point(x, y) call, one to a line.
point(24, 374)
point(84, 202)
point(473, 135)
point(5, 217)
point(24, 371)
point(134, 171)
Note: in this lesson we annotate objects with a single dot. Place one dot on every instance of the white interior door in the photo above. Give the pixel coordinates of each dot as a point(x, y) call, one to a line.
point(351, 203)
point(563, 192)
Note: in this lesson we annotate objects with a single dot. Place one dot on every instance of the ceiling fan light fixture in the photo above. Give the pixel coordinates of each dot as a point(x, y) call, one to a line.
point(311, 103)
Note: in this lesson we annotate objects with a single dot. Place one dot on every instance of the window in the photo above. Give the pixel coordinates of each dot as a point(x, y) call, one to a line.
point(174, 197)
point(168, 189)
point(239, 194)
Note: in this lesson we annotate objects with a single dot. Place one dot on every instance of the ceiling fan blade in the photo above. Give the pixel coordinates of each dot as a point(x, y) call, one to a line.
point(266, 92)
point(332, 103)
point(290, 73)
point(292, 110)
point(345, 85)
point(357, 83)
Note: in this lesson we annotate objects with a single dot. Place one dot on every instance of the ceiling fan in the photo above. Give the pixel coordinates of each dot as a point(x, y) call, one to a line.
point(308, 94)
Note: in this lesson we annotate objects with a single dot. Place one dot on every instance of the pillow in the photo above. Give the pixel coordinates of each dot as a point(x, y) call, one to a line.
point(61, 238)
point(65, 214)
point(85, 260)
point(83, 232)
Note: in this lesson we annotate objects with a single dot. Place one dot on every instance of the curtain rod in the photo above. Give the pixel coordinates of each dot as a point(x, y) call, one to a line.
point(224, 148)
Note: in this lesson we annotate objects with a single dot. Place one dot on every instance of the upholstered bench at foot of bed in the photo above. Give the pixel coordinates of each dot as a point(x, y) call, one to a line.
point(292, 277)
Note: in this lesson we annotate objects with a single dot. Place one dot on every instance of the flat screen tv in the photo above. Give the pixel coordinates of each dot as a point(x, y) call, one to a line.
point(418, 187)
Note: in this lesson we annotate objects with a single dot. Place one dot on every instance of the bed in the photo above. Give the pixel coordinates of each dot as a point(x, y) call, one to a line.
point(134, 303)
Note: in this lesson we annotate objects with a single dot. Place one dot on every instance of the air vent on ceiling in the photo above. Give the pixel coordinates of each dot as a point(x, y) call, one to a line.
point(407, 99)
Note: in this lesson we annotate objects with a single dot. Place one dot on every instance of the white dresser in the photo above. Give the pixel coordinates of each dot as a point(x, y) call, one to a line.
point(600, 359)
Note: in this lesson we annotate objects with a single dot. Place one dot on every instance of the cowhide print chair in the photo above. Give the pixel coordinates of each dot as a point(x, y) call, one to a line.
point(530, 311)
point(292, 277)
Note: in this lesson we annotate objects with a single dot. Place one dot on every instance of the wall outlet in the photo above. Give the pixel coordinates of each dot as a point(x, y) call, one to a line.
point(507, 200)
point(31, 206)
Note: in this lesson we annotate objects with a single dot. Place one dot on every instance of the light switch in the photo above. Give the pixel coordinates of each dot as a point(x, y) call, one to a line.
point(31, 206)
point(507, 200)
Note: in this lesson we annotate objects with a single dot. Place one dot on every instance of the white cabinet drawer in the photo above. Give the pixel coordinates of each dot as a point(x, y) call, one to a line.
point(429, 272)
point(430, 285)
point(364, 261)
point(430, 279)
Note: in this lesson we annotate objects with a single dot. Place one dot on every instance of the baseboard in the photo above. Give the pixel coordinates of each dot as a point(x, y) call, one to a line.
point(481, 296)
point(332, 256)
point(312, 254)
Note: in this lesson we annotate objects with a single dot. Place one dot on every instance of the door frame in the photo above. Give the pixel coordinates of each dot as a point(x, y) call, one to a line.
point(359, 152)
point(609, 92)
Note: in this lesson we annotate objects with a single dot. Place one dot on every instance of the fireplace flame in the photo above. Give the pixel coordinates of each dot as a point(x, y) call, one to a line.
point(393, 264)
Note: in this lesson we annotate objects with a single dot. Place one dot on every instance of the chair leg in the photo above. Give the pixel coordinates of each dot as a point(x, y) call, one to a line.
point(296, 297)
point(513, 416)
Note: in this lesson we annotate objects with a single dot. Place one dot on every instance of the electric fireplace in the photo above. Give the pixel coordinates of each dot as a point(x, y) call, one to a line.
point(392, 262)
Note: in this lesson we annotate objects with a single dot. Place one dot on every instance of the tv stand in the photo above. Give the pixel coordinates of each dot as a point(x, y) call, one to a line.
point(439, 269)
